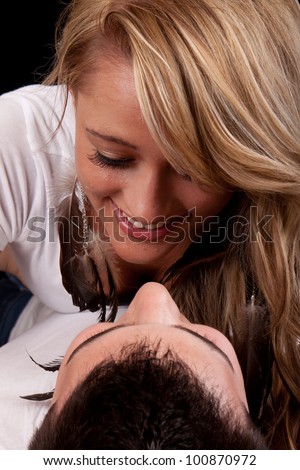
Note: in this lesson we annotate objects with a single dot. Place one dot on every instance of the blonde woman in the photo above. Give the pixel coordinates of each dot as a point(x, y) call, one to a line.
point(167, 135)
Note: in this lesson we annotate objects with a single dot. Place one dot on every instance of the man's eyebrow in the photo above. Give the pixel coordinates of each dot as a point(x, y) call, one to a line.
point(207, 341)
point(89, 340)
point(111, 138)
point(179, 327)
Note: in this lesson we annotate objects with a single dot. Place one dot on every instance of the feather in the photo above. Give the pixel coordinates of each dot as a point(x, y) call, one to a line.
point(51, 366)
point(104, 255)
point(82, 259)
point(255, 355)
point(39, 396)
point(79, 273)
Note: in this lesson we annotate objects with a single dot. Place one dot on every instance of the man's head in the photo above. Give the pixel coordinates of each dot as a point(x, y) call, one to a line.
point(145, 402)
point(151, 381)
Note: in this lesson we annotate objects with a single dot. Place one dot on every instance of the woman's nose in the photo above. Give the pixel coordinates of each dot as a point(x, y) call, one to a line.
point(153, 188)
point(153, 304)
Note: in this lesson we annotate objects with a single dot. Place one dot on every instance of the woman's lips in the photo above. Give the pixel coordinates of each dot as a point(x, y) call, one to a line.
point(146, 232)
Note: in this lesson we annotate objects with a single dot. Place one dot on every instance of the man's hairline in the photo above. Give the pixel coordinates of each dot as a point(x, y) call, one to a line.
point(179, 327)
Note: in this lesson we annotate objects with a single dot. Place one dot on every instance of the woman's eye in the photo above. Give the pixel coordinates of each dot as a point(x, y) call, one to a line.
point(107, 162)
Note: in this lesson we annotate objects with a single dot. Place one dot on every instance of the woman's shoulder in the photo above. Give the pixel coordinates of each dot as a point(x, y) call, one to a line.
point(35, 151)
point(35, 95)
point(34, 113)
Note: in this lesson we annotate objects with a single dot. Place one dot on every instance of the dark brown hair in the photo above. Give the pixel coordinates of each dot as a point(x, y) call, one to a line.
point(145, 402)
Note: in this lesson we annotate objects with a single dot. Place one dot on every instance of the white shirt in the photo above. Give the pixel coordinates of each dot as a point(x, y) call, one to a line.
point(36, 167)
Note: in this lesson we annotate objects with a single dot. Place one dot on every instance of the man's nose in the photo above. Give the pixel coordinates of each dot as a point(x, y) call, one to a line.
point(153, 304)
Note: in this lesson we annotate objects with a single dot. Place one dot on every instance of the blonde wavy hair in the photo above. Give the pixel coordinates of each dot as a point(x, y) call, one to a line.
point(218, 82)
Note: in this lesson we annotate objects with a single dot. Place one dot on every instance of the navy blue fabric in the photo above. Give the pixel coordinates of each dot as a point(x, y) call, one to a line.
point(13, 298)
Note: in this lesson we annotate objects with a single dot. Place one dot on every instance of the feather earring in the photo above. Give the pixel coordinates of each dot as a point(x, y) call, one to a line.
point(79, 273)
point(257, 357)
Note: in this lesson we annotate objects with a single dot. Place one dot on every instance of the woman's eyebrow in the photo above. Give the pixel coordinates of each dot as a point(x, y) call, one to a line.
point(179, 327)
point(111, 138)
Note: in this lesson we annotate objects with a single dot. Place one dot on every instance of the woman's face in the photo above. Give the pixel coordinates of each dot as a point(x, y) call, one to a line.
point(149, 212)
point(153, 316)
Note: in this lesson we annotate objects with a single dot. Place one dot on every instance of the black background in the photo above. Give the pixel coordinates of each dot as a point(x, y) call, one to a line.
point(26, 40)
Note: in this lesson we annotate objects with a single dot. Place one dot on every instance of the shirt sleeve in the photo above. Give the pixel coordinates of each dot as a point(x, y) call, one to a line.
point(16, 170)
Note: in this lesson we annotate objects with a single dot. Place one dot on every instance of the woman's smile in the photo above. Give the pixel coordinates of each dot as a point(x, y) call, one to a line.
point(138, 228)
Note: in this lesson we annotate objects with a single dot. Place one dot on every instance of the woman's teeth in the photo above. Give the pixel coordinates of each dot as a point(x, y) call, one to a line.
point(139, 225)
